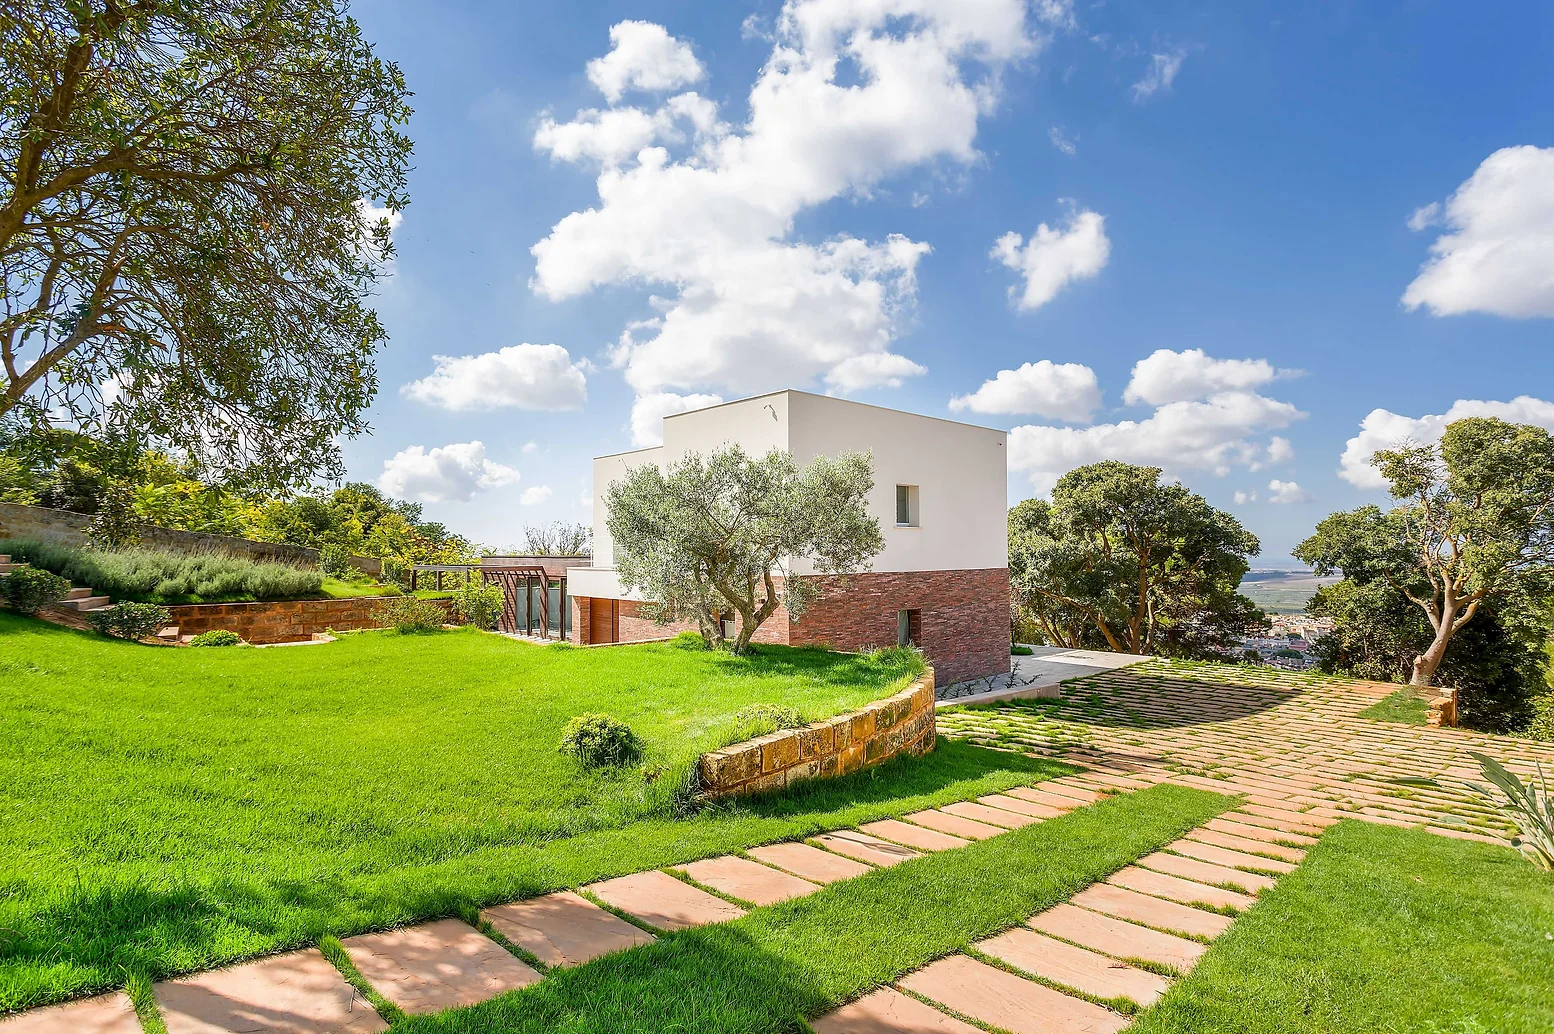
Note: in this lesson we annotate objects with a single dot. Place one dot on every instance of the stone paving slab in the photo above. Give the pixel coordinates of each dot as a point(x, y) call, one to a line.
point(1205, 872)
point(809, 862)
point(1038, 795)
point(664, 902)
point(1248, 845)
point(1271, 836)
point(1116, 937)
point(1156, 912)
point(435, 966)
point(1227, 857)
point(1019, 806)
point(991, 816)
point(920, 837)
point(954, 825)
point(296, 993)
point(564, 929)
point(1079, 968)
point(105, 1014)
point(864, 848)
point(1248, 817)
point(888, 1011)
point(1001, 999)
point(1080, 795)
point(1177, 888)
point(746, 880)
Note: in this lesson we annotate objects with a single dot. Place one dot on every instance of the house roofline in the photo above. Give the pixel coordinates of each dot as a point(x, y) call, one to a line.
point(829, 398)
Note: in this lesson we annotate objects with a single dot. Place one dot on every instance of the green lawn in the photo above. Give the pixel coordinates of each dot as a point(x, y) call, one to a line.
point(167, 810)
point(1381, 931)
point(1408, 706)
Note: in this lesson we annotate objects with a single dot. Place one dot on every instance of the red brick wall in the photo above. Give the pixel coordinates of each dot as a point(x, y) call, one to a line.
point(964, 619)
point(635, 626)
point(281, 622)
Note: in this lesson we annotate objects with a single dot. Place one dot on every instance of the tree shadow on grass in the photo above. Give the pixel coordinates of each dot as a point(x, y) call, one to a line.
point(1141, 700)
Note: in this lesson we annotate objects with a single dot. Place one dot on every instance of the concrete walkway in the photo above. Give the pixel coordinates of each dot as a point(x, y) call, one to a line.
point(1036, 675)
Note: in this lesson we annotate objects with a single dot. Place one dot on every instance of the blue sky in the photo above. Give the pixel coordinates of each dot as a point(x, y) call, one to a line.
point(1239, 193)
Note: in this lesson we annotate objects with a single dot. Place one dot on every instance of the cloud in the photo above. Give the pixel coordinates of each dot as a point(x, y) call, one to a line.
point(524, 376)
point(1214, 435)
point(449, 474)
point(1425, 216)
point(1497, 255)
point(705, 214)
point(530, 447)
point(1280, 450)
point(648, 412)
point(1161, 73)
point(643, 56)
point(1383, 429)
point(1054, 258)
point(1062, 141)
point(371, 216)
point(1243, 498)
point(1287, 492)
point(610, 137)
point(1166, 376)
point(535, 495)
point(1066, 391)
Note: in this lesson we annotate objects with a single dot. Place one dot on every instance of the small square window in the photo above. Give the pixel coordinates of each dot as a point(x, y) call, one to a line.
point(906, 506)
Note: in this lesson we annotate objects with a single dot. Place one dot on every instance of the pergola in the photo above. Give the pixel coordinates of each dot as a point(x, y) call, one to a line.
point(513, 579)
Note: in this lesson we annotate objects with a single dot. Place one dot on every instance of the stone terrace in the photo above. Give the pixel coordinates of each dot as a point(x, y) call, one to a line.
point(1287, 740)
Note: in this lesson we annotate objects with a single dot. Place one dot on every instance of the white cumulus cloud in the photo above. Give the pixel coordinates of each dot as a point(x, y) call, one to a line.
point(1287, 492)
point(643, 56)
point(523, 376)
point(1243, 498)
point(852, 92)
point(1166, 376)
point(1054, 257)
point(535, 495)
point(447, 474)
point(1059, 391)
point(648, 412)
point(1384, 429)
point(1497, 254)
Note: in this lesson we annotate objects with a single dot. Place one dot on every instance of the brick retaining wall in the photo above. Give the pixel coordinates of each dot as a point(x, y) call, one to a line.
point(876, 732)
point(286, 621)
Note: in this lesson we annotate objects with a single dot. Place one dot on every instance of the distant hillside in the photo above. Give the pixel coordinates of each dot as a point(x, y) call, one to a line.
point(1282, 592)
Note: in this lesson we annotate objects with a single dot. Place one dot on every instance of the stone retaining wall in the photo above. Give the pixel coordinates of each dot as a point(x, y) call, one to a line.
point(899, 724)
point(285, 621)
point(70, 529)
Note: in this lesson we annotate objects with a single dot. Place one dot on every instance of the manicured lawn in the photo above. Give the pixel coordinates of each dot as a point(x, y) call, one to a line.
point(760, 974)
point(1381, 930)
point(167, 810)
point(1407, 706)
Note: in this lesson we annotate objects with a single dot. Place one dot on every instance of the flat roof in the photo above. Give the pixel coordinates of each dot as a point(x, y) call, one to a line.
point(828, 398)
point(630, 452)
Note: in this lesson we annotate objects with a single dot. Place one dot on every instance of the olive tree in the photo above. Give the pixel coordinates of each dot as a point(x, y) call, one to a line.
point(184, 242)
point(1473, 526)
point(711, 535)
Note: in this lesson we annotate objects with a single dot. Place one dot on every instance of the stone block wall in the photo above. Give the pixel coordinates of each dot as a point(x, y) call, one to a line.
point(285, 621)
point(899, 724)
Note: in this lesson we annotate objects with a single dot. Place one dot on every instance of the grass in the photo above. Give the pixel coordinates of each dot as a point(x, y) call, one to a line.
point(338, 589)
point(158, 576)
point(170, 810)
point(1406, 706)
point(762, 973)
point(1381, 931)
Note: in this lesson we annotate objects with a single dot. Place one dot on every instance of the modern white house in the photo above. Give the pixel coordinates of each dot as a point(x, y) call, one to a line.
point(942, 580)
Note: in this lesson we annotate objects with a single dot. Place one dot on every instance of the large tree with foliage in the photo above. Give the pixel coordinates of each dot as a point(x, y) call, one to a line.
point(711, 535)
point(1123, 561)
point(183, 252)
point(1473, 527)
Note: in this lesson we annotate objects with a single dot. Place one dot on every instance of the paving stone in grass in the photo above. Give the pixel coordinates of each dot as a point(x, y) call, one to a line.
point(1141, 908)
point(864, 847)
point(746, 880)
point(1037, 795)
point(809, 862)
point(662, 901)
point(992, 816)
point(1079, 968)
point(888, 1011)
point(1269, 836)
point(105, 1014)
point(564, 929)
point(1245, 844)
point(1176, 888)
point(913, 836)
point(436, 966)
point(1117, 938)
point(954, 825)
point(1205, 872)
point(1256, 818)
point(1227, 857)
point(1064, 788)
point(296, 993)
point(1000, 999)
point(1004, 802)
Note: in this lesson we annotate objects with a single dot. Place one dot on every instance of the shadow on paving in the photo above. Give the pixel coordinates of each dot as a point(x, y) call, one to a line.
point(1143, 700)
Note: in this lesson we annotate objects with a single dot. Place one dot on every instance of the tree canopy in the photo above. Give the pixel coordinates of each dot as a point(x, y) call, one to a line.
point(183, 250)
point(1473, 527)
point(711, 535)
point(1119, 560)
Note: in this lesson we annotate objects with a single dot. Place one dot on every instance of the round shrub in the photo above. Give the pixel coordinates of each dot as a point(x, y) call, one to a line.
point(217, 637)
point(408, 615)
point(29, 590)
point(132, 621)
point(689, 641)
point(479, 605)
point(597, 740)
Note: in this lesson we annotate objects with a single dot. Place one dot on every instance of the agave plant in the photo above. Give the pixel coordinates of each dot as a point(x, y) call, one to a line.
point(1529, 806)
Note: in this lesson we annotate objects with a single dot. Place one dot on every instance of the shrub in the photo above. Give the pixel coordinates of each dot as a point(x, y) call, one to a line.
point(129, 620)
point(597, 740)
point(160, 576)
point(29, 589)
point(689, 641)
point(1542, 725)
point(479, 605)
point(1020, 650)
point(335, 560)
point(217, 637)
point(408, 615)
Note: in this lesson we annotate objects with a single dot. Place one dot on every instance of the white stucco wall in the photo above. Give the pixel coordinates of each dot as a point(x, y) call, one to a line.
point(608, 469)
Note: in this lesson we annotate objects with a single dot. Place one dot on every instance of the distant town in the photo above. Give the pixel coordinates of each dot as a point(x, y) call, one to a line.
point(1291, 641)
